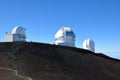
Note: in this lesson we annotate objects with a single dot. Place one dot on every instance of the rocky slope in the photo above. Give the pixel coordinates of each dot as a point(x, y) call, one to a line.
point(50, 62)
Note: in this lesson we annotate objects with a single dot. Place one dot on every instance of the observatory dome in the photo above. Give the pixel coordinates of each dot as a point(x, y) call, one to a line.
point(19, 30)
point(65, 33)
point(89, 45)
point(65, 36)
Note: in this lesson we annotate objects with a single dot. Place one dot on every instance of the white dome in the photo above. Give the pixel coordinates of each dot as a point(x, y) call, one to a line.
point(59, 34)
point(65, 36)
point(19, 30)
point(89, 45)
point(65, 33)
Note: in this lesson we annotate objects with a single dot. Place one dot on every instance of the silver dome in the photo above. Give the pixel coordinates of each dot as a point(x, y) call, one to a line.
point(65, 36)
point(89, 45)
point(19, 30)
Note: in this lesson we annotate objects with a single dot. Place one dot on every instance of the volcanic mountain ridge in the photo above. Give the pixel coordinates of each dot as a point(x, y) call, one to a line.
point(38, 61)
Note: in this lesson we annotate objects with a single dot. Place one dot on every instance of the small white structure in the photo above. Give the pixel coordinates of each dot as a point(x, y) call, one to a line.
point(65, 37)
point(18, 34)
point(89, 45)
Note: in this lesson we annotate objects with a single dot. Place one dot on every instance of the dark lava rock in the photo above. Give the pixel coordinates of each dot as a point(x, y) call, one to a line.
point(50, 62)
point(9, 74)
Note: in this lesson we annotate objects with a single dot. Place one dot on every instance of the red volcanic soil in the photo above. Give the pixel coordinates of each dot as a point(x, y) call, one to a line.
point(40, 61)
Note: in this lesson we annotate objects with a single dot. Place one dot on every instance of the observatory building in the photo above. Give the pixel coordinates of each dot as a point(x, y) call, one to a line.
point(65, 37)
point(89, 45)
point(18, 34)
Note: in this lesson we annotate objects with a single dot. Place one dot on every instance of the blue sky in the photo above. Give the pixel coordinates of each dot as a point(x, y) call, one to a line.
point(95, 19)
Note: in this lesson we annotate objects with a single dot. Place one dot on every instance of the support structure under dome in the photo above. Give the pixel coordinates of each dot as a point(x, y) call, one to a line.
point(65, 37)
point(89, 45)
point(18, 34)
